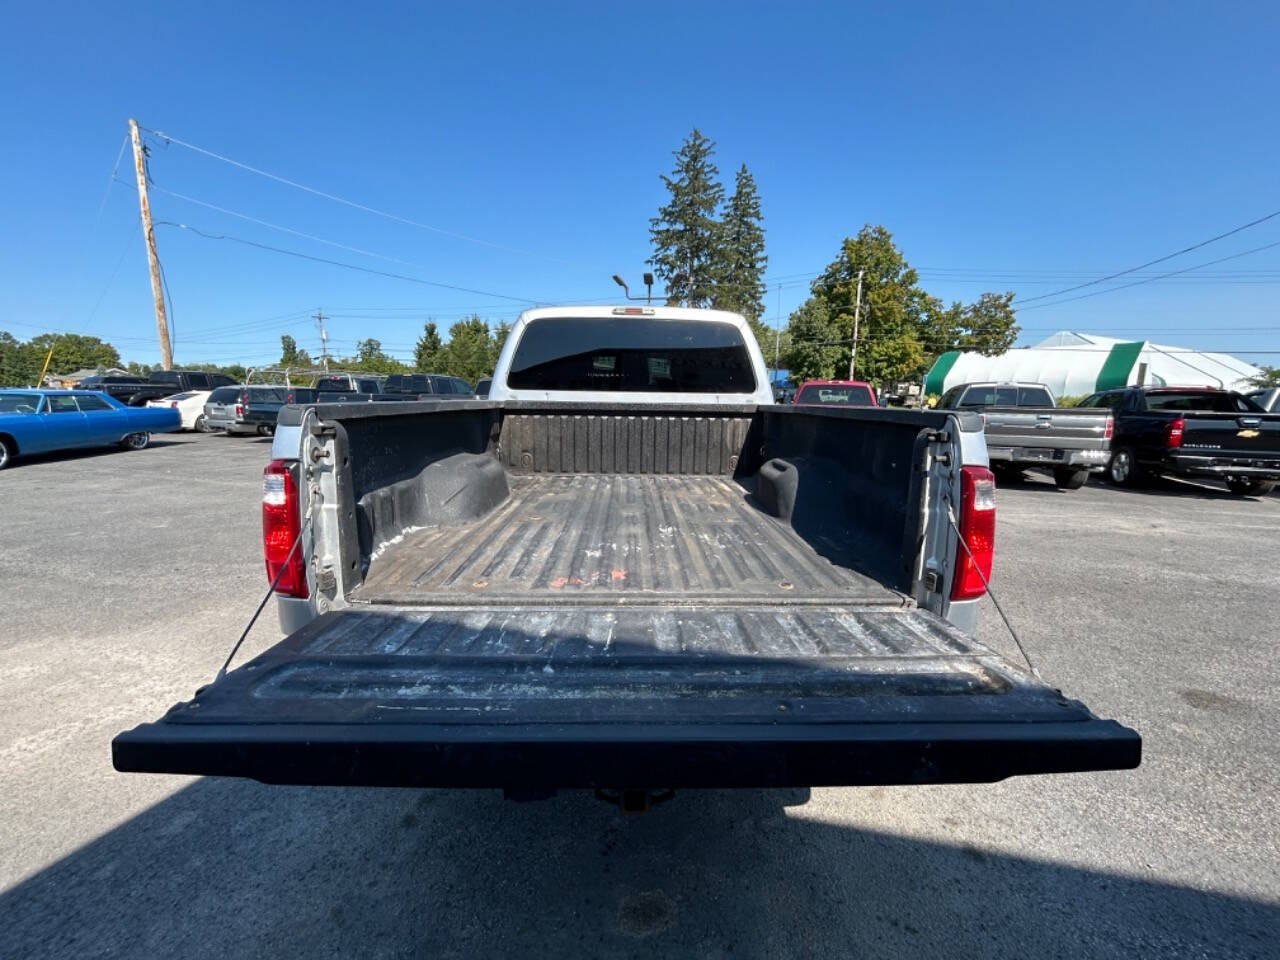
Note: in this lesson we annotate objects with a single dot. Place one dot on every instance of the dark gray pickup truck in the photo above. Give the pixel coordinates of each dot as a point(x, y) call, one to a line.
point(1027, 430)
point(627, 570)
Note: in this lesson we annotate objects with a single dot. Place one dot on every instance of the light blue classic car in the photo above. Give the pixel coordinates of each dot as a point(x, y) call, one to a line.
point(38, 421)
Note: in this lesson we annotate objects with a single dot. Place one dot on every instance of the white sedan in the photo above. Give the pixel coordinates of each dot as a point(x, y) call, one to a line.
point(189, 405)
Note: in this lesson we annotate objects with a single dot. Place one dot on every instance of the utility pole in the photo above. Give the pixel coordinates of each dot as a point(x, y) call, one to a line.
point(149, 236)
point(777, 333)
point(324, 339)
point(857, 311)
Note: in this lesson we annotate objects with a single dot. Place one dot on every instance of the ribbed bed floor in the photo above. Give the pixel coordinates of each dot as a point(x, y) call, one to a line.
point(641, 539)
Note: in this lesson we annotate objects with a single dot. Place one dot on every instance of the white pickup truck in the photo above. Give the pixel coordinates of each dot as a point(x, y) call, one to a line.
point(627, 569)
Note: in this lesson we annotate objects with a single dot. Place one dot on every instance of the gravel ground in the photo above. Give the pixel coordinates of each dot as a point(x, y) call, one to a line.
point(125, 577)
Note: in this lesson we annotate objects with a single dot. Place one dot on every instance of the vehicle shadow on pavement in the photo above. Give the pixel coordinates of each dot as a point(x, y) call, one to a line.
point(92, 453)
point(1172, 487)
point(234, 869)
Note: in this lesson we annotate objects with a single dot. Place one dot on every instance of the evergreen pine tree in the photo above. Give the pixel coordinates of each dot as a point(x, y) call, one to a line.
point(426, 353)
point(685, 233)
point(740, 285)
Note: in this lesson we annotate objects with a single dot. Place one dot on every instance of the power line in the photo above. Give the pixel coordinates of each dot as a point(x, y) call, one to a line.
point(111, 179)
point(339, 263)
point(1136, 283)
point(250, 326)
point(114, 270)
point(283, 229)
point(350, 203)
point(1149, 263)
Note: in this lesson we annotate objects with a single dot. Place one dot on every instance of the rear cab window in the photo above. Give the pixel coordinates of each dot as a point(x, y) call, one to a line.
point(619, 354)
point(836, 395)
point(989, 397)
point(1034, 397)
point(1204, 400)
point(265, 395)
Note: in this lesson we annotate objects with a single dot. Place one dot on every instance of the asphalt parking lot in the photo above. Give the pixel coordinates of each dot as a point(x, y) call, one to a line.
point(125, 578)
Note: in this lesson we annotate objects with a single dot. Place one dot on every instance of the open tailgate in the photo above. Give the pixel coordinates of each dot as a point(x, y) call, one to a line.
point(565, 696)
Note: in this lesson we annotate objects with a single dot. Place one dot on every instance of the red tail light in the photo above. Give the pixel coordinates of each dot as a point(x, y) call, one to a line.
point(281, 523)
point(239, 410)
point(1111, 428)
point(1173, 433)
point(174, 404)
point(977, 522)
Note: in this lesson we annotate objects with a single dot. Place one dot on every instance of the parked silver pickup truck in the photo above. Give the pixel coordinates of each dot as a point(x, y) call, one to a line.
point(629, 570)
point(1026, 430)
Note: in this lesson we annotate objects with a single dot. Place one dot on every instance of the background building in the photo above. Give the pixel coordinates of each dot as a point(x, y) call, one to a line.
point(1075, 364)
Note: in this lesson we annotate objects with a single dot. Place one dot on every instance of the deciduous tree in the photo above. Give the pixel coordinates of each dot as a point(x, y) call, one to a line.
point(468, 352)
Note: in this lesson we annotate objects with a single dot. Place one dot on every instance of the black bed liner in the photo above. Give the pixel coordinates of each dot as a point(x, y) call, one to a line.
point(546, 697)
point(621, 538)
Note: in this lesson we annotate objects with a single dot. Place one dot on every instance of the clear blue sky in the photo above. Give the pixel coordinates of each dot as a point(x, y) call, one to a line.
point(1012, 146)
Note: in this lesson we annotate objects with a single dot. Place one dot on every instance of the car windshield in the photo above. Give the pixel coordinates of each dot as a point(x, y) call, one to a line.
point(833, 394)
point(632, 354)
point(1213, 401)
point(223, 395)
point(19, 402)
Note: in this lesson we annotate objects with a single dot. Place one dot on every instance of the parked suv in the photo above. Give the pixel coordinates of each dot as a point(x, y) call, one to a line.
point(227, 408)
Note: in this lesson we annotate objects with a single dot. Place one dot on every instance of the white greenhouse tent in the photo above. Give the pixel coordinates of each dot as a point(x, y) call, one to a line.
point(1077, 364)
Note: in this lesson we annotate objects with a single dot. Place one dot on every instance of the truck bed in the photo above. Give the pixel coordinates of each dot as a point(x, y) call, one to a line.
point(543, 597)
point(624, 539)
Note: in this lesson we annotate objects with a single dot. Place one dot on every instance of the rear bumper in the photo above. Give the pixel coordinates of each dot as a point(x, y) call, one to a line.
point(1191, 465)
point(1093, 460)
point(230, 426)
point(640, 755)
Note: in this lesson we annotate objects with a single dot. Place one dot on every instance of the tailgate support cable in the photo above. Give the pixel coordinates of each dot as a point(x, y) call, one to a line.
point(951, 518)
point(270, 590)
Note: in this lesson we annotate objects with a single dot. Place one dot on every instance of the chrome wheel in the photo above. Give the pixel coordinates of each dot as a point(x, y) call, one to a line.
point(1121, 469)
point(137, 441)
point(5, 454)
point(201, 425)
